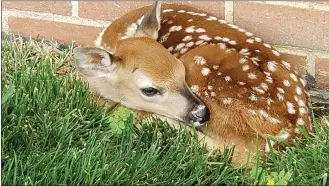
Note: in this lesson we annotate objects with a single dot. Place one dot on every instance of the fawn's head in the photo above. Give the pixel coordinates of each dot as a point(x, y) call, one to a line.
point(141, 74)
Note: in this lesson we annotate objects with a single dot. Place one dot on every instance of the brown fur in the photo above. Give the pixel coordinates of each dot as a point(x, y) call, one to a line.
point(241, 122)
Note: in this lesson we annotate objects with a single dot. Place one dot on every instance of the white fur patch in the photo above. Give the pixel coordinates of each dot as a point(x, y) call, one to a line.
point(190, 29)
point(200, 60)
point(205, 71)
point(187, 38)
point(205, 37)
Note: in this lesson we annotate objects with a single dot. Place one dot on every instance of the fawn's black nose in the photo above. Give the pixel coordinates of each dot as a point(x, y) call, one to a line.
point(198, 115)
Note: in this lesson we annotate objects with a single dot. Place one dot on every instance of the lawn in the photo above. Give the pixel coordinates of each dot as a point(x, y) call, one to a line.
point(52, 132)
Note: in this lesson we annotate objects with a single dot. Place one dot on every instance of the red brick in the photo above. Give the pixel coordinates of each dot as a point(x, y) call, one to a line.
point(212, 7)
point(111, 10)
point(62, 32)
point(284, 25)
point(297, 62)
point(322, 72)
point(108, 10)
point(55, 7)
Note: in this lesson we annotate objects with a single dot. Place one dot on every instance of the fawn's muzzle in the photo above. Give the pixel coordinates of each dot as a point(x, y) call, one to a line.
point(198, 115)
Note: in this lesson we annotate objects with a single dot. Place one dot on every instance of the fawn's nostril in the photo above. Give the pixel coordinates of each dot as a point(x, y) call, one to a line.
point(199, 113)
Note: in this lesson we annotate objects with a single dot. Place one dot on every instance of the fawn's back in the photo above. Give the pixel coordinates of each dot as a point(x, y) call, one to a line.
point(248, 87)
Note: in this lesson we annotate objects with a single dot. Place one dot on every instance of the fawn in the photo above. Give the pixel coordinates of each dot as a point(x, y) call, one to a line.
point(175, 61)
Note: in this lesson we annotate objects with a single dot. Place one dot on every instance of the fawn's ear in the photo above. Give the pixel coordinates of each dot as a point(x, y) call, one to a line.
point(93, 62)
point(150, 24)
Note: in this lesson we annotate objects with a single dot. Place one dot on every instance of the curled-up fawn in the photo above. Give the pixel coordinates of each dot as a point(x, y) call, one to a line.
point(178, 62)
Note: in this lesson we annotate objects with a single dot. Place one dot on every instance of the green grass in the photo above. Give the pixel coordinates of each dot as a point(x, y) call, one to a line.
point(53, 133)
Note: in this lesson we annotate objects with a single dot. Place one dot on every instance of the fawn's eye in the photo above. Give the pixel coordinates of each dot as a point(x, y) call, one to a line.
point(149, 91)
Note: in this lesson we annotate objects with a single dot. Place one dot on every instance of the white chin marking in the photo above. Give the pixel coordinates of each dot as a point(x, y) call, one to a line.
point(197, 124)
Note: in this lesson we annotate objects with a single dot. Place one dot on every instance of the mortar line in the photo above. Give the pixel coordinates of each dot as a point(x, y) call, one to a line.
point(301, 5)
point(302, 51)
point(4, 22)
point(229, 11)
point(310, 64)
point(75, 8)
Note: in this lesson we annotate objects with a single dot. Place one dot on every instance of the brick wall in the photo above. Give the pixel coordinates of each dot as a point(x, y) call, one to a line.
point(300, 30)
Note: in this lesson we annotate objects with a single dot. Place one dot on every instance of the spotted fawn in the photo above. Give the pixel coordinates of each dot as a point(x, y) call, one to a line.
point(175, 61)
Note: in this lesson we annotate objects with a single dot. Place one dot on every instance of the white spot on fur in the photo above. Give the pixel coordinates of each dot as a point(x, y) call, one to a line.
point(190, 44)
point(258, 39)
point(241, 83)
point(299, 91)
point(210, 87)
point(205, 37)
point(291, 108)
point(249, 34)
point(275, 52)
point(170, 22)
point(181, 11)
point(241, 30)
point(301, 103)
point(222, 21)
point(253, 97)
point(264, 86)
point(190, 29)
point(227, 101)
point(252, 76)
point(228, 78)
point(167, 10)
point(175, 28)
point(257, 89)
point(212, 18)
point(302, 81)
point(286, 83)
point(267, 45)
point(195, 88)
point(183, 50)
point(187, 38)
point(300, 121)
point(189, 20)
point(245, 67)
point(199, 42)
point(233, 26)
point(302, 111)
point(180, 46)
point(200, 60)
point(269, 101)
point(244, 51)
point(205, 71)
point(213, 94)
point(250, 41)
point(232, 42)
point(271, 65)
point(286, 64)
point(243, 60)
point(164, 37)
point(280, 90)
point(170, 49)
point(225, 39)
point(200, 30)
point(215, 67)
point(280, 97)
point(283, 135)
point(222, 46)
point(293, 77)
point(218, 38)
